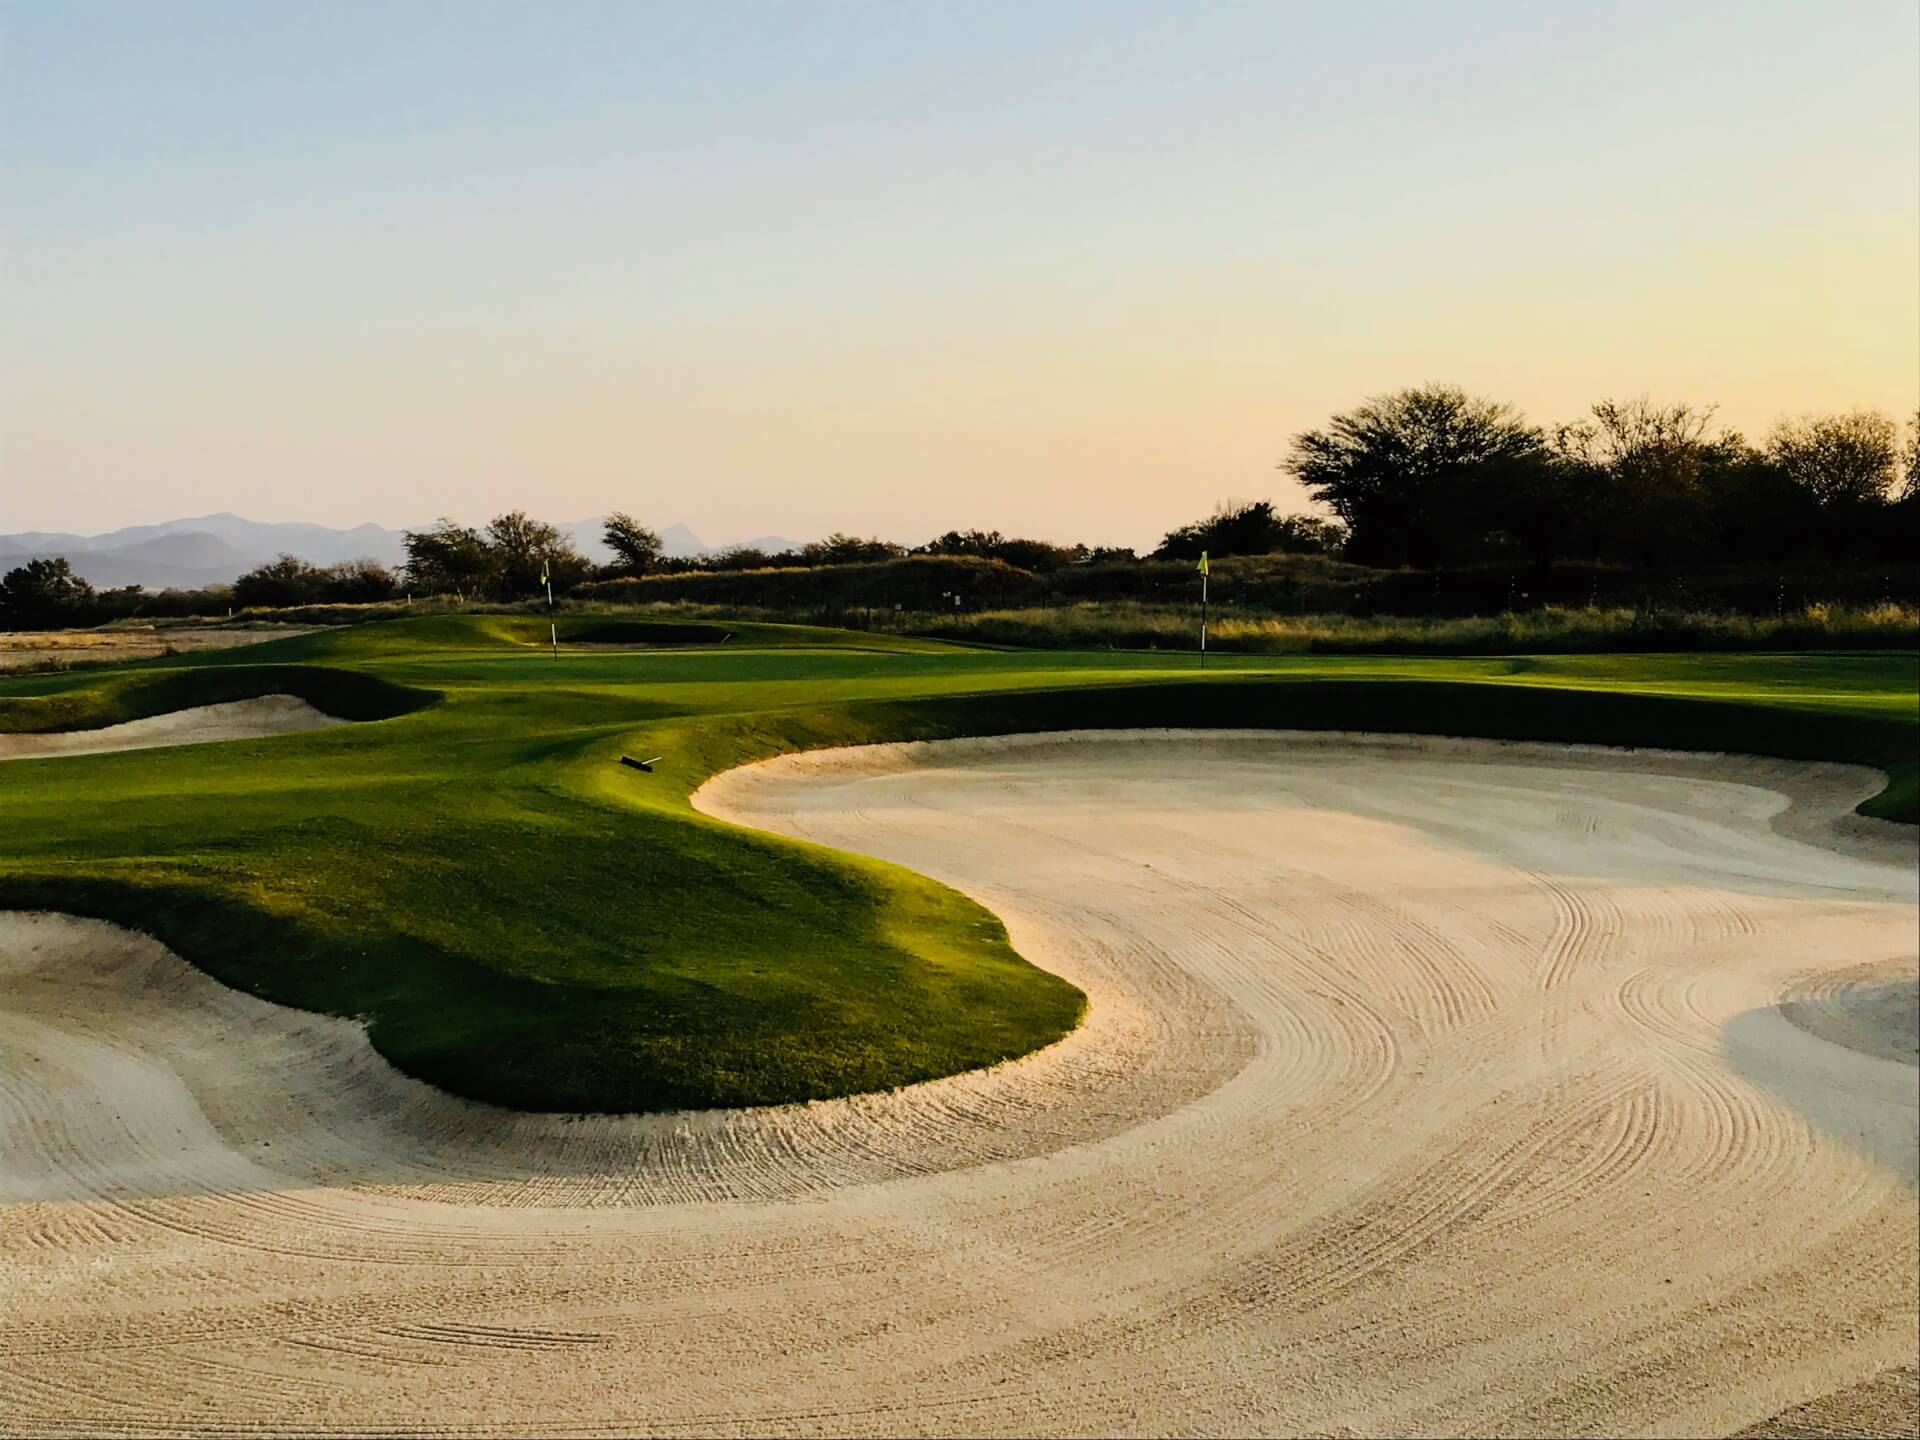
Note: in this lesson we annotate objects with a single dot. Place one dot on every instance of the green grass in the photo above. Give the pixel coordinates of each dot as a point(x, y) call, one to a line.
point(522, 920)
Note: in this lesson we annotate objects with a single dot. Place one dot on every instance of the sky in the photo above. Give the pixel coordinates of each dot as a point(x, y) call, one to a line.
point(1074, 271)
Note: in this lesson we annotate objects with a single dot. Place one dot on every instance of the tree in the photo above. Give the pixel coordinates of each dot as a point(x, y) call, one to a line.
point(1416, 475)
point(1249, 527)
point(1034, 555)
point(42, 593)
point(525, 548)
point(285, 580)
point(838, 549)
point(1840, 460)
point(356, 582)
point(1642, 468)
point(636, 549)
point(1753, 510)
point(449, 559)
point(1910, 461)
point(743, 557)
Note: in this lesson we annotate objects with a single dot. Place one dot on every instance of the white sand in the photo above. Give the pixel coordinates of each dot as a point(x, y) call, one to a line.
point(233, 720)
point(1427, 1087)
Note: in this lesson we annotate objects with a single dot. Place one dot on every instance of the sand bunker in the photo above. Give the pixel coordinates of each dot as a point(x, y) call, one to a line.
point(234, 720)
point(1427, 1087)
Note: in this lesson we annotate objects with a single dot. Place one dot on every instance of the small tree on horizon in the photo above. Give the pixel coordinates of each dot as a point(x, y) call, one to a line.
point(1033, 555)
point(1250, 527)
point(636, 548)
point(839, 549)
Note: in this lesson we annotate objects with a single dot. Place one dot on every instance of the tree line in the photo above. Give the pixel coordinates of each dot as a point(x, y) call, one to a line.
point(1433, 477)
point(1427, 478)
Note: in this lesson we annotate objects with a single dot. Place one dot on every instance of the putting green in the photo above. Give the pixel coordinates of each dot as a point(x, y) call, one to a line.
point(523, 920)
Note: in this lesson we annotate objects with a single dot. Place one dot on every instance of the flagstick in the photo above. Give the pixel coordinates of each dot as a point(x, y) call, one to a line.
point(553, 627)
point(1203, 610)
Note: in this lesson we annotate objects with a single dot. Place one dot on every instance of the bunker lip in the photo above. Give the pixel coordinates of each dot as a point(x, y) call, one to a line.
point(1820, 798)
point(253, 719)
point(1447, 1024)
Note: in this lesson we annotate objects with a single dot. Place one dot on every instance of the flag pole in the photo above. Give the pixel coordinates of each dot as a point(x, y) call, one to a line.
point(553, 626)
point(1203, 609)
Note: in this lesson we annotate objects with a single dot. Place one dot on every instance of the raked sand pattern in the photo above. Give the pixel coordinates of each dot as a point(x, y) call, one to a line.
point(1426, 1087)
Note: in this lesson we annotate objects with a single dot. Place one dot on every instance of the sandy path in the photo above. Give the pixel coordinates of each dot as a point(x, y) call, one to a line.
point(1427, 1087)
point(233, 720)
point(22, 649)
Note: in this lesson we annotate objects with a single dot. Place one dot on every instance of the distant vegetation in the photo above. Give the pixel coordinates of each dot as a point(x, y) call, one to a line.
point(1443, 504)
point(1549, 630)
point(1433, 477)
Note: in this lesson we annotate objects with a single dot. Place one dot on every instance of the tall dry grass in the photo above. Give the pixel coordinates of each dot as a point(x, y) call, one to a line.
point(1138, 625)
point(1131, 626)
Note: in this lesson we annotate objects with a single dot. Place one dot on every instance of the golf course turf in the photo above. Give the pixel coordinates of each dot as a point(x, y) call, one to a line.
point(522, 920)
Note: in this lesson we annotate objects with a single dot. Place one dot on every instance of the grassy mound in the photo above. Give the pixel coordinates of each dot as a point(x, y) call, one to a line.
point(92, 702)
point(523, 920)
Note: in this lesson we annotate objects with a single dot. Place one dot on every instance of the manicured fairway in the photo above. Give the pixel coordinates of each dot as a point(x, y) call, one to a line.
point(523, 920)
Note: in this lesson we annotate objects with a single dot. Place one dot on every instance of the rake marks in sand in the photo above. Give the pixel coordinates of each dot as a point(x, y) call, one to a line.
point(1424, 1087)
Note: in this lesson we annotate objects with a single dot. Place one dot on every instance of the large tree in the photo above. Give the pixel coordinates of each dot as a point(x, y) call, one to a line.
point(1417, 476)
point(636, 549)
point(1643, 470)
point(449, 559)
point(1752, 511)
point(518, 542)
point(1840, 460)
point(524, 549)
point(43, 592)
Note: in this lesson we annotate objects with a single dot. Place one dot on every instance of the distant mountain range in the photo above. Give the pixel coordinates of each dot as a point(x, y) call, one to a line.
point(215, 549)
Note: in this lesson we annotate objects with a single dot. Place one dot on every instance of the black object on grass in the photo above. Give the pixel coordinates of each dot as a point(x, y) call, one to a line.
point(646, 765)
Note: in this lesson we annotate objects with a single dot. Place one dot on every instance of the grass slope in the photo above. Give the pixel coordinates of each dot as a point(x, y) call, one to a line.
point(523, 920)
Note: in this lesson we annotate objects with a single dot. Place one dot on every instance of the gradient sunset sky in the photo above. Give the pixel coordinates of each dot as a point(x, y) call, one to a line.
point(1069, 270)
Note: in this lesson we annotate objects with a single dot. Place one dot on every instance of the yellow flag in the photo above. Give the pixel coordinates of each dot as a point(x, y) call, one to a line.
point(1202, 567)
point(543, 572)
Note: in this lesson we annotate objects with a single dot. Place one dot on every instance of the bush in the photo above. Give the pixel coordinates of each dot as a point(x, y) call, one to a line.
point(356, 582)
